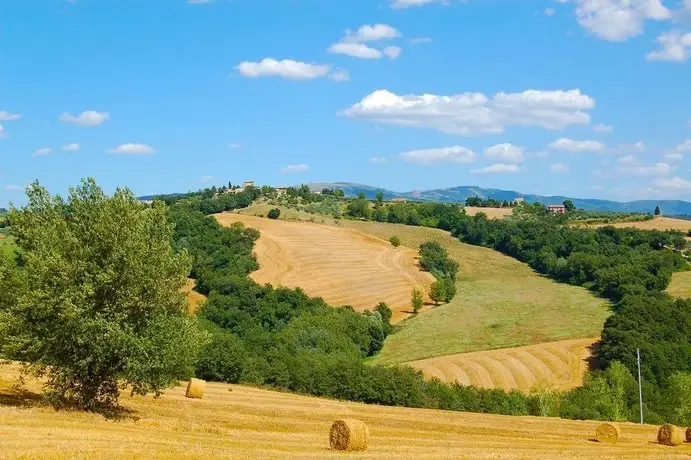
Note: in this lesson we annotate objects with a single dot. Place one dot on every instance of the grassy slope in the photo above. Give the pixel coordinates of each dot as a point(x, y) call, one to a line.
point(7, 245)
point(286, 213)
point(680, 285)
point(240, 422)
point(501, 303)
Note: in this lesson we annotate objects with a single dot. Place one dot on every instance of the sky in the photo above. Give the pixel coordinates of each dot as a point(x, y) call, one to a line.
point(585, 98)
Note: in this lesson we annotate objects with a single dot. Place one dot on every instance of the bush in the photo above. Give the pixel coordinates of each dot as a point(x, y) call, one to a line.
point(395, 241)
point(274, 213)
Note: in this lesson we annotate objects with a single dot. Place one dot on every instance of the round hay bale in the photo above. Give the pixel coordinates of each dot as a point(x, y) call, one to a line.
point(608, 432)
point(195, 389)
point(348, 434)
point(670, 435)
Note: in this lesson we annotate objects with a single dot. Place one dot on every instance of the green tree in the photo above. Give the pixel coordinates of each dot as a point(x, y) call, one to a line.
point(359, 207)
point(274, 213)
point(379, 196)
point(679, 395)
point(657, 211)
point(568, 204)
point(438, 291)
point(103, 309)
point(395, 241)
point(417, 300)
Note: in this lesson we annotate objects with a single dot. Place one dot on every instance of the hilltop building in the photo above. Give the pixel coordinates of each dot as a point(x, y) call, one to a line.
point(557, 208)
point(245, 185)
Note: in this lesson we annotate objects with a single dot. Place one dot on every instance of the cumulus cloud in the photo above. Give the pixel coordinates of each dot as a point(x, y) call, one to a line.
point(290, 169)
point(71, 147)
point(619, 20)
point(602, 128)
point(675, 46)
point(684, 146)
point(3, 132)
point(7, 116)
point(133, 149)
point(354, 42)
point(631, 167)
point(475, 113)
point(559, 168)
point(453, 154)
point(285, 68)
point(86, 118)
point(507, 153)
point(499, 168)
point(569, 145)
point(43, 152)
point(378, 160)
point(673, 157)
point(675, 183)
point(12, 188)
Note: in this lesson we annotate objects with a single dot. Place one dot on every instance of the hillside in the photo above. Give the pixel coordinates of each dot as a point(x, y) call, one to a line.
point(340, 265)
point(501, 303)
point(240, 422)
point(559, 365)
point(459, 195)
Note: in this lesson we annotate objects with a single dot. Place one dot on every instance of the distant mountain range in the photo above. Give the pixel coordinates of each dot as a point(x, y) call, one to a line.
point(459, 195)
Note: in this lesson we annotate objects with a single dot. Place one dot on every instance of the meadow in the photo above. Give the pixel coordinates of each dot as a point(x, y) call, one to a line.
point(501, 303)
point(680, 285)
point(242, 422)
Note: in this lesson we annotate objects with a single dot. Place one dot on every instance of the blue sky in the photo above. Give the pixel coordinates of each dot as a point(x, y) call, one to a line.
point(587, 98)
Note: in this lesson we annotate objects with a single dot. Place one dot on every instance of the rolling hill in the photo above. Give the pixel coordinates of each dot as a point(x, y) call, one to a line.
point(459, 195)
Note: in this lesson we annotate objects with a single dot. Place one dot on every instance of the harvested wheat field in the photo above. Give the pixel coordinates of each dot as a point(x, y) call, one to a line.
point(240, 422)
point(343, 266)
point(492, 213)
point(680, 286)
point(194, 299)
point(559, 365)
point(659, 223)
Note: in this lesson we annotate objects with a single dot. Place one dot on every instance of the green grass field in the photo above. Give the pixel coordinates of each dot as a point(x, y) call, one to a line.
point(286, 213)
point(500, 303)
point(680, 285)
point(7, 245)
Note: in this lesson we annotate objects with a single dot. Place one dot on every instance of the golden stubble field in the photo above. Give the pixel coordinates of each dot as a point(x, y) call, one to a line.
point(557, 365)
point(659, 223)
point(241, 422)
point(343, 266)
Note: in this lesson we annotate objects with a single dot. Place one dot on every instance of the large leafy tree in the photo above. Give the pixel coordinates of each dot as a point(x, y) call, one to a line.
point(102, 308)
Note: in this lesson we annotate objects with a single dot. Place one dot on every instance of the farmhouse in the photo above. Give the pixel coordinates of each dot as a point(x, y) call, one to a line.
point(400, 200)
point(556, 208)
point(245, 185)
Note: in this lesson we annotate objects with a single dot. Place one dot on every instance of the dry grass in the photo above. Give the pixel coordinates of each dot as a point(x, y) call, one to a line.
point(501, 303)
point(680, 285)
point(659, 223)
point(194, 298)
point(252, 423)
point(558, 365)
point(492, 213)
point(343, 266)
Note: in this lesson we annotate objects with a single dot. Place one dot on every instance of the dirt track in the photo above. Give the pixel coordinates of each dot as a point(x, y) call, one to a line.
point(240, 422)
point(559, 365)
point(341, 265)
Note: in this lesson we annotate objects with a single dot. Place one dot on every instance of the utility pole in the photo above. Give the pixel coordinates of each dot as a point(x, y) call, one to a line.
point(640, 387)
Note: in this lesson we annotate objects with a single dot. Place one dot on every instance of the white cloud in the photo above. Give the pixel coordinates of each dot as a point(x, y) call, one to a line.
point(508, 153)
point(499, 168)
point(538, 154)
point(13, 188)
point(475, 113)
point(392, 52)
point(235, 146)
point(71, 147)
point(339, 75)
point(295, 168)
point(286, 68)
point(205, 179)
point(86, 118)
point(658, 169)
point(619, 20)
point(3, 132)
point(378, 160)
point(602, 128)
point(7, 116)
point(627, 160)
point(401, 4)
point(570, 145)
point(673, 157)
point(684, 146)
point(453, 154)
point(559, 168)
point(133, 149)
point(637, 147)
point(42, 152)
point(674, 46)
point(353, 44)
point(550, 11)
point(419, 40)
point(676, 183)
point(358, 50)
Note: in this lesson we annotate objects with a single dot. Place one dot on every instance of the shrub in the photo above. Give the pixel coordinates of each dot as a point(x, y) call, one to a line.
point(274, 213)
point(395, 241)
